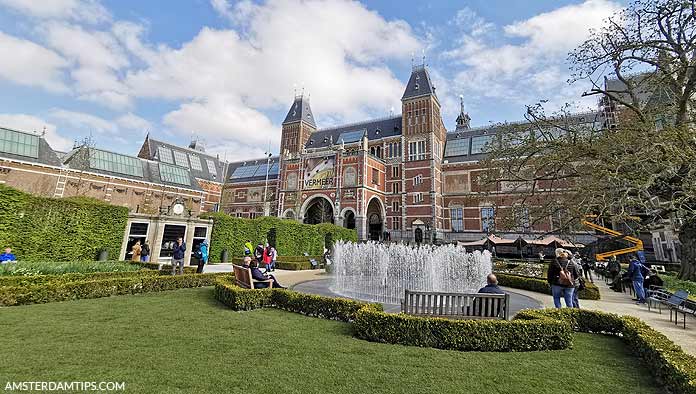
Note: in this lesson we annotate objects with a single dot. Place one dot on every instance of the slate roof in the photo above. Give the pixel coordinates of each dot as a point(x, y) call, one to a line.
point(232, 167)
point(78, 159)
point(300, 110)
point(375, 129)
point(647, 88)
point(419, 84)
point(210, 174)
point(45, 154)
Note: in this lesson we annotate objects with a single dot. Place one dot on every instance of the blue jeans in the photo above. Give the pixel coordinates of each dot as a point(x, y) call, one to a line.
point(576, 302)
point(565, 292)
point(638, 287)
point(144, 258)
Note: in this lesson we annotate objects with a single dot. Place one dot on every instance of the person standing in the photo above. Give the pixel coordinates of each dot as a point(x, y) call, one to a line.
point(636, 275)
point(561, 277)
point(178, 256)
point(202, 256)
point(258, 253)
point(578, 282)
point(145, 252)
point(274, 257)
point(7, 257)
point(248, 247)
point(614, 268)
point(541, 256)
point(136, 251)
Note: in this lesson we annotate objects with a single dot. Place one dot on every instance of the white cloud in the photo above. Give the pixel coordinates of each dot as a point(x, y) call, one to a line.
point(90, 11)
point(533, 67)
point(131, 121)
point(84, 121)
point(25, 122)
point(30, 64)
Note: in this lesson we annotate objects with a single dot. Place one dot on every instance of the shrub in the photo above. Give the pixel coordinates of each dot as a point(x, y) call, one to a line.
point(463, 335)
point(165, 268)
point(294, 265)
point(62, 291)
point(240, 299)
point(665, 360)
point(591, 292)
point(45, 229)
point(26, 268)
point(17, 280)
point(292, 238)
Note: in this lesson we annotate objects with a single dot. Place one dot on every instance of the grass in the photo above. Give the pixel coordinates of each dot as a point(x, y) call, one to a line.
point(50, 268)
point(673, 284)
point(185, 342)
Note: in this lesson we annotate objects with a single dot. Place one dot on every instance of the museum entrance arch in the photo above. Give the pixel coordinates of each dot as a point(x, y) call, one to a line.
point(318, 210)
point(375, 219)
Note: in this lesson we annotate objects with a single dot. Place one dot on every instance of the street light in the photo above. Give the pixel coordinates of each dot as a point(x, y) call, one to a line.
point(266, 207)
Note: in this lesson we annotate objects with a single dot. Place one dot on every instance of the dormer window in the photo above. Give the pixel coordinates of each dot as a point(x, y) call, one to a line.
point(378, 131)
point(311, 142)
point(416, 87)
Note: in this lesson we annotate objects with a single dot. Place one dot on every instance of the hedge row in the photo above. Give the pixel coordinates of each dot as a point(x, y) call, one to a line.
point(166, 268)
point(674, 368)
point(591, 291)
point(292, 238)
point(372, 324)
point(294, 266)
point(240, 299)
point(6, 281)
point(39, 228)
point(463, 335)
point(63, 291)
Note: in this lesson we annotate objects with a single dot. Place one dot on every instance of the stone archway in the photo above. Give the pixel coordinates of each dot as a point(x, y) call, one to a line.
point(375, 219)
point(349, 218)
point(318, 209)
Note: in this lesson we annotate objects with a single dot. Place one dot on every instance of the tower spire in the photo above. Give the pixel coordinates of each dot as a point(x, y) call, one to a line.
point(463, 120)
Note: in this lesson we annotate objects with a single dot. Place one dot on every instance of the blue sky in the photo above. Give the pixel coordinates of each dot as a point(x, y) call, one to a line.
point(226, 71)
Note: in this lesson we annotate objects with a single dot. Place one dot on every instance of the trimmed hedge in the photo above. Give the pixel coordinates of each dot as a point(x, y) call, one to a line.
point(6, 281)
point(63, 291)
point(674, 368)
point(240, 299)
point(294, 266)
point(463, 335)
point(77, 228)
point(292, 238)
point(166, 268)
point(27, 268)
point(591, 291)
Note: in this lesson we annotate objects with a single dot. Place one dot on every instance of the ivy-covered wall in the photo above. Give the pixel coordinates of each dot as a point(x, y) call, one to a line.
point(292, 238)
point(65, 229)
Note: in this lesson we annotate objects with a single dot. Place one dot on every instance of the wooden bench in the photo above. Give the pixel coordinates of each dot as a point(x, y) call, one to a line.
point(242, 277)
point(456, 305)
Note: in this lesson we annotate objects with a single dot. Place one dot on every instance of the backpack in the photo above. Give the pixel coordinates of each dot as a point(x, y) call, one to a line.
point(197, 254)
point(565, 278)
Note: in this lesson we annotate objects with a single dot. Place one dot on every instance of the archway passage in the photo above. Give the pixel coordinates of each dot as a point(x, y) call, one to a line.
point(349, 220)
point(375, 221)
point(419, 235)
point(319, 211)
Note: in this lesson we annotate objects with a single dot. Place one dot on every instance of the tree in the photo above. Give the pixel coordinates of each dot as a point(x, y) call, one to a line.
point(632, 161)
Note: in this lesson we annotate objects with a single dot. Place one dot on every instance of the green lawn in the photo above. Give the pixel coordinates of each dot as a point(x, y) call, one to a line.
point(185, 342)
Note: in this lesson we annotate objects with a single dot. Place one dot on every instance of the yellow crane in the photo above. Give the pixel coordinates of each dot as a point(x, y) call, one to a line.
point(637, 243)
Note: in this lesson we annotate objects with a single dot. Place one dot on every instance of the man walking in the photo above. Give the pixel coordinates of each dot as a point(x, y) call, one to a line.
point(178, 256)
point(634, 272)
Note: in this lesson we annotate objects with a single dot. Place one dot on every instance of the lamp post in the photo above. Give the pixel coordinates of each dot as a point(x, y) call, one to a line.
point(266, 205)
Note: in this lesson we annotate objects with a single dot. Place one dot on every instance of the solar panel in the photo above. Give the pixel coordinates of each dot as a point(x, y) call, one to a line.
point(180, 159)
point(274, 169)
point(18, 143)
point(174, 174)
point(165, 155)
point(245, 171)
point(478, 144)
point(351, 136)
point(458, 147)
point(261, 171)
point(114, 162)
point(195, 162)
point(211, 167)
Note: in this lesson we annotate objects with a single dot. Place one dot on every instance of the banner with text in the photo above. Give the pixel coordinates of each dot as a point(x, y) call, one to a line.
point(319, 173)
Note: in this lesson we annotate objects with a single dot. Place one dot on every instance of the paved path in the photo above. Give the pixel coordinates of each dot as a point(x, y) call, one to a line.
point(621, 304)
point(612, 302)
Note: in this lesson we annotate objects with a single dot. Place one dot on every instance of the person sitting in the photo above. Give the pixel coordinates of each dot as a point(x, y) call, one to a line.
point(259, 276)
point(247, 262)
point(7, 256)
point(492, 286)
point(653, 281)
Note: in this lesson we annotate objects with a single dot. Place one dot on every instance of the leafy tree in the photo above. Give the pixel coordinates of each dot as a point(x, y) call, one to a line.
point(633, 161)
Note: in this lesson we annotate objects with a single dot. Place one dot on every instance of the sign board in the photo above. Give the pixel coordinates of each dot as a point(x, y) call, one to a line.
point(319, 173)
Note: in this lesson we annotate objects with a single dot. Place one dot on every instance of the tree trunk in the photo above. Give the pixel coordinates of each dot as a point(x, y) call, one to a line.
point(687, 237)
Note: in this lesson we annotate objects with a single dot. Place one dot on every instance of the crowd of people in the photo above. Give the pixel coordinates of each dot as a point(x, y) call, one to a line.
point(266, 255)
point(141, 253)
point(638, 276)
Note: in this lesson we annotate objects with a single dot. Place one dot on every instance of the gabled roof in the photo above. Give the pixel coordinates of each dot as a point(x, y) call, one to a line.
point(419, 84)
point(300, 110)
point(374, 129)
point(151, 151)
point(24, 146)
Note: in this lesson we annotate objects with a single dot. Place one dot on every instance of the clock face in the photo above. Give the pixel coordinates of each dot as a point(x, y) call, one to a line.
point(178, 209)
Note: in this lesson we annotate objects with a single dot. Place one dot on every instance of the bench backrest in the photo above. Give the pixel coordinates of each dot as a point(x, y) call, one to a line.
point(678, 298)
point(242, 277)
point(478, 305)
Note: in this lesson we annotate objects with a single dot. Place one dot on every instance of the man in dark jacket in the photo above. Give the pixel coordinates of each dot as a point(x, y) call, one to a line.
point(257, 275)
point(178, 256)
point(258, 253)
point(636, 275)
point(492, 286)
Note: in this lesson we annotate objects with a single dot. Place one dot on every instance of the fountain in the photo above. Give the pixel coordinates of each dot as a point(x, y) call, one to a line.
point(380, 273)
